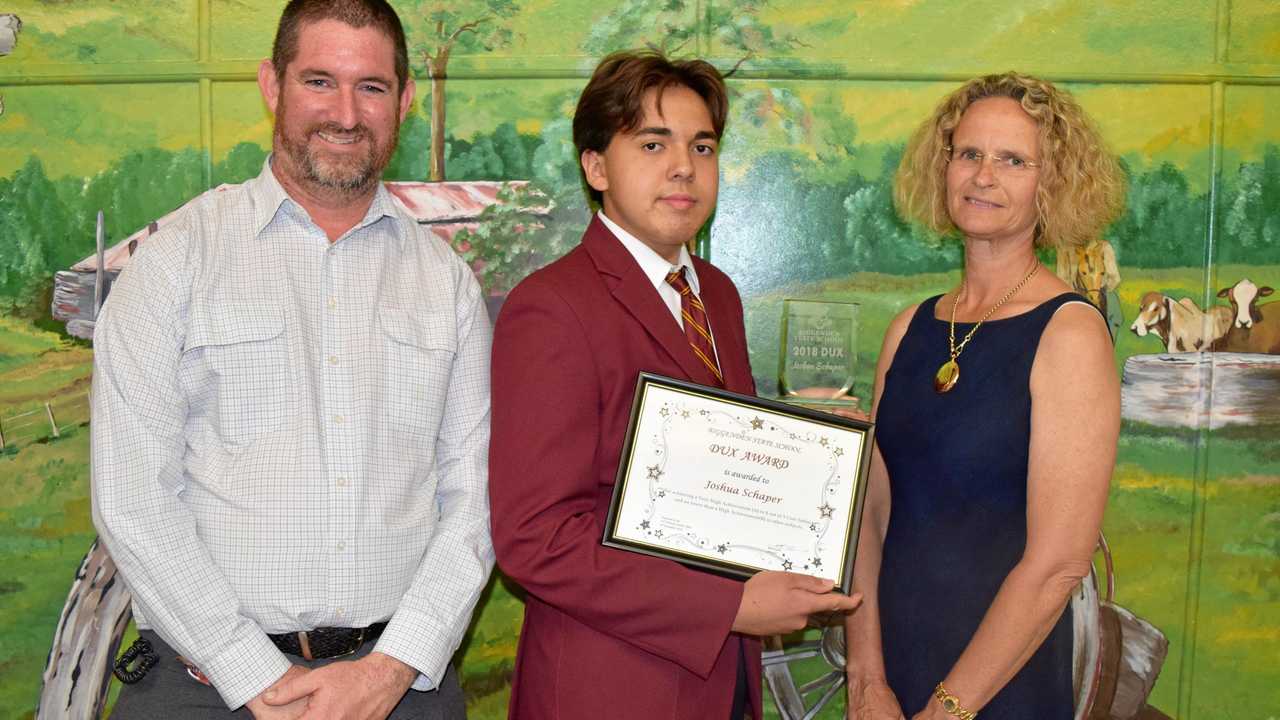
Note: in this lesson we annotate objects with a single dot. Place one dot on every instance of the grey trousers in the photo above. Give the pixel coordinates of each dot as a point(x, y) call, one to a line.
point(168, 692)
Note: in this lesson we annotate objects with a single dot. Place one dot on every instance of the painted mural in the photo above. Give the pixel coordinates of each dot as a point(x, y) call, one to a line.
point(133, 108)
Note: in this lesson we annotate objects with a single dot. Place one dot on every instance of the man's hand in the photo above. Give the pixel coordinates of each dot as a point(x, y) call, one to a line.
point(364, 689)
point(285, 711)
point(776, 603)
point(872, 701)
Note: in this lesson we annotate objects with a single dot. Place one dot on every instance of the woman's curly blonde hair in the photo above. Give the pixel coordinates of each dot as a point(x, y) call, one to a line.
point(1081, 186)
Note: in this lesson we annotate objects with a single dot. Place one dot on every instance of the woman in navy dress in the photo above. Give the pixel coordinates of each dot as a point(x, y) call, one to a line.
point(998, 412)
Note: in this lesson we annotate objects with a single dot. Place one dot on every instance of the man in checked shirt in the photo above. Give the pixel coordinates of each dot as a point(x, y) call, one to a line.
point(291, 415)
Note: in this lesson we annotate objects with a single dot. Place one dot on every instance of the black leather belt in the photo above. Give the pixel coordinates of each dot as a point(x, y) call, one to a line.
point(324, 643)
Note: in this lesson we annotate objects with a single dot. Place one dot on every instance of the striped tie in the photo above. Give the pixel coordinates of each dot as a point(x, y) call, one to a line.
point(695, 323)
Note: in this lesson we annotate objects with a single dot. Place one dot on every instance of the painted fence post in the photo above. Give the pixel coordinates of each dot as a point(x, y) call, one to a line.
point(100, 273)
point(53, 425)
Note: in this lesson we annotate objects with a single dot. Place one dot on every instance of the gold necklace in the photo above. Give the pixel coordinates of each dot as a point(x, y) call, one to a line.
point(949, 373)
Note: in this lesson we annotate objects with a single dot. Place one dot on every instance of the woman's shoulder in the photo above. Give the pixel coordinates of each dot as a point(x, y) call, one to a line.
point(1075, 337)
point(1076, 319)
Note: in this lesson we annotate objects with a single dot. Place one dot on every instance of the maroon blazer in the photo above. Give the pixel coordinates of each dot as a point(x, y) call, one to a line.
point(607, 633)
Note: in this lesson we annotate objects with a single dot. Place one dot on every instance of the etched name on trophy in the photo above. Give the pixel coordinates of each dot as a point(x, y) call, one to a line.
point(816, 357)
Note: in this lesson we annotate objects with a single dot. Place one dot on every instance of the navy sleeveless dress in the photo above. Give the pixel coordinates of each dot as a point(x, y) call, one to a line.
point(957, 466)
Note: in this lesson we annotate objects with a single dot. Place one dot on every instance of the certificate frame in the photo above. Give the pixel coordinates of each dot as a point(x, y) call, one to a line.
point(732, 527)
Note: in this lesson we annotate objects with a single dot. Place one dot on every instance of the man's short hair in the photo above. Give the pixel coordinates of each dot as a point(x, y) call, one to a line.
point(356, 13)
point(613, 101)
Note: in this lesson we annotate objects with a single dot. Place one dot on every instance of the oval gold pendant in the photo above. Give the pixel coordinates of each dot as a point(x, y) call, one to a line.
point(947, 376)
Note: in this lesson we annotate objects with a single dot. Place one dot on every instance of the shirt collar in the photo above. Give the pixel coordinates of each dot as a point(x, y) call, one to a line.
point(654, 266)
point(269, 196)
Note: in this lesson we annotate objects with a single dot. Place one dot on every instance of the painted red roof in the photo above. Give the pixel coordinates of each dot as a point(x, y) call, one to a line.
point(445, 202)
point(446, 206)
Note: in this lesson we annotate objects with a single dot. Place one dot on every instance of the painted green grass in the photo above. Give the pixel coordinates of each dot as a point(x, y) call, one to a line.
point(1238, 624)
point(19, 341)
point(44, 532)
point(37, 366)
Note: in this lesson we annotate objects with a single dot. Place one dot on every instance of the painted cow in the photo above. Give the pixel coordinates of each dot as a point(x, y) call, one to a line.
point(1181, 325)
point(1254, 329)
point(1243, 297)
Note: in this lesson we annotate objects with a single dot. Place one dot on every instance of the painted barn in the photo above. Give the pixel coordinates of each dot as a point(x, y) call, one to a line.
point(445, 207)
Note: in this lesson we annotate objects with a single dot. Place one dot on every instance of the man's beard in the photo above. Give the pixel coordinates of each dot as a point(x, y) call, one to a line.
point(344, 174)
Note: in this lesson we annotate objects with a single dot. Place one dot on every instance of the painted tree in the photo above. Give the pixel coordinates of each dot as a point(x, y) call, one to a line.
point(673, 27)
point(735, 30)
point(1164, 221)
point(445, 27)
point(1252, 211)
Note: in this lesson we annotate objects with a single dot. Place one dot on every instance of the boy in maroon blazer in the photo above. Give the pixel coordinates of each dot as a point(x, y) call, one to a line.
point(609, 633)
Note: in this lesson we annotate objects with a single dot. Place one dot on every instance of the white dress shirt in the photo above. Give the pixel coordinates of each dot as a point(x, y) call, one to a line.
point(656, 268)
point(290, 433)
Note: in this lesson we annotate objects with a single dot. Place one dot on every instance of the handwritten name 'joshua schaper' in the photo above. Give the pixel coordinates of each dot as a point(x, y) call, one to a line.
point(748, 493)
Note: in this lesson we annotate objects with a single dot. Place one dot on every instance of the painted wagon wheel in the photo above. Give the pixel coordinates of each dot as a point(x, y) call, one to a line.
point(804, 700)
point(77, 674)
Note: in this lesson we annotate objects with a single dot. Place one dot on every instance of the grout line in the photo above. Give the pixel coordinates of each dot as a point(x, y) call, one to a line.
point(206, 130)
point(204, 30)
point(1222, 34)
point(1204, 440)
point(704, 27)
point(204, 35)
point(246, 71)
point(1204, 437)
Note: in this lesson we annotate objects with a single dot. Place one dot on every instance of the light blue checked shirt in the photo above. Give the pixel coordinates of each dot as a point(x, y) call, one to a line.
point(290, 434)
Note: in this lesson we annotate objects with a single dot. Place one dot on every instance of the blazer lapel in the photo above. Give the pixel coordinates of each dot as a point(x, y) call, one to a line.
point(633, 290)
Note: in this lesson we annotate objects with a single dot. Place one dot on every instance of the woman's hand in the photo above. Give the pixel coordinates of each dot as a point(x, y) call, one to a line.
point(872, 700)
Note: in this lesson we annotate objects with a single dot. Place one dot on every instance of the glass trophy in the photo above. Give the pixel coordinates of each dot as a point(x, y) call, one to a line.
point(816, 357)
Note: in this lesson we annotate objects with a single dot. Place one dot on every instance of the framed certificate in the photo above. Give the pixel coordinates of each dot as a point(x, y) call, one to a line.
point(738, 484)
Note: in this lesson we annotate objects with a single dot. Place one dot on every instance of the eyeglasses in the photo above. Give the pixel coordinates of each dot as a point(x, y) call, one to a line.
point(1005, 164)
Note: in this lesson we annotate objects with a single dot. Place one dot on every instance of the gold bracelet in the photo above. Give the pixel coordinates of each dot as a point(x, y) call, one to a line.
point(951, 704)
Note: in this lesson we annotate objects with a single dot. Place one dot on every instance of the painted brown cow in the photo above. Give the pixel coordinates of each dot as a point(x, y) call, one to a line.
point(1181, 325)
point(1255, 329)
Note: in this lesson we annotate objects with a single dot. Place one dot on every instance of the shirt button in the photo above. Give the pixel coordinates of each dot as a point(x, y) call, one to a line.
point(338, 419)
point(338, 612)
point(333, 359)
point(331, 304)
point(342, 482)
point(341, 546)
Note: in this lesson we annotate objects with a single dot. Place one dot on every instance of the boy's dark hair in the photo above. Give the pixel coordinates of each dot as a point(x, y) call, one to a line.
point(613, 100)
point(356, 13)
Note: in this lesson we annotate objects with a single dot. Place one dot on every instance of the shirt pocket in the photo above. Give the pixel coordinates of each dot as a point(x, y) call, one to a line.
point(419, 348)
point(235, 370)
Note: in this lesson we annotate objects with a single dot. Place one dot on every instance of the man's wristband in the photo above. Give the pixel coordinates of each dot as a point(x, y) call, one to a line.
point(951, 704)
